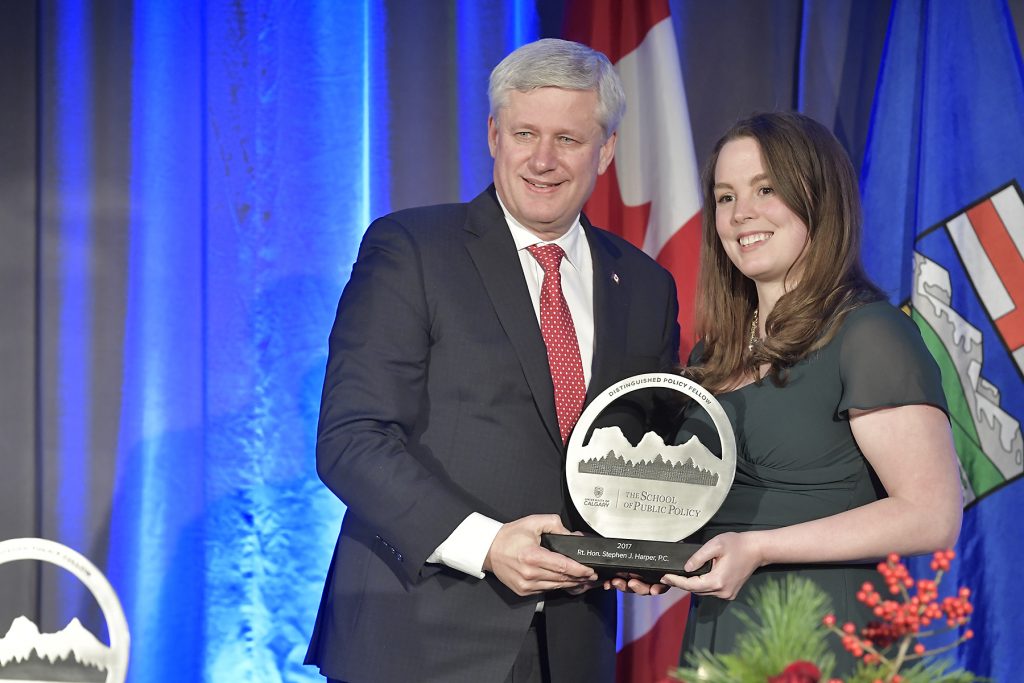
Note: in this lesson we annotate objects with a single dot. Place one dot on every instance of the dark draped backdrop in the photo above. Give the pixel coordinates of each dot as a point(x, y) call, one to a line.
point(183, 186)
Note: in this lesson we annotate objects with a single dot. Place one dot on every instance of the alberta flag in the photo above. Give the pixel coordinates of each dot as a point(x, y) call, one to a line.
point(651, 196)
point(944, 234)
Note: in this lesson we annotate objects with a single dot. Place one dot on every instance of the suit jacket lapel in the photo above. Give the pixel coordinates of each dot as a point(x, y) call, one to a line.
point(494, 253)
point(610, 300)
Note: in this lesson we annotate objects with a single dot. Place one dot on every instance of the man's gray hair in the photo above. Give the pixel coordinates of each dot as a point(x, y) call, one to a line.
point(554, 63)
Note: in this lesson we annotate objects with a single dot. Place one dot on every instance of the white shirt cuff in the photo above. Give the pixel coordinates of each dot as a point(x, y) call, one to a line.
point(466, 548)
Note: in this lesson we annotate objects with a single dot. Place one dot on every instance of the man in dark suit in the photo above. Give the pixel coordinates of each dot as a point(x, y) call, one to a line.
point(458, 364)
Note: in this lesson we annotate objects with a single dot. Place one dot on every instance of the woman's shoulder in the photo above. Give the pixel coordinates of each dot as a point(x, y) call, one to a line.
point(882, 335)
point(884, 361)
point(872, 310)
point(876, 318)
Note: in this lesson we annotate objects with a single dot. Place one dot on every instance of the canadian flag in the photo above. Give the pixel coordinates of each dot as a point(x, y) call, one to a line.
point(651, 196)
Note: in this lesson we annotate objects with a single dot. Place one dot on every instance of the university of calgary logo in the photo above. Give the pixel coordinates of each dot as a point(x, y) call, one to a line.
point(598, 491)
point(968, 300)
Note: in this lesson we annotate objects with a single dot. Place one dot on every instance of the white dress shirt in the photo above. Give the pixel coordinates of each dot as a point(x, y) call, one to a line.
point(466, 548)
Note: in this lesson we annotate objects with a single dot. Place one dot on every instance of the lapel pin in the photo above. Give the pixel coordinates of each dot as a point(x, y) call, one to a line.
point(615, 278)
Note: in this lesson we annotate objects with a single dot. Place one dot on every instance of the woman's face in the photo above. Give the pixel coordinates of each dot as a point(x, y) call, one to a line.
point(762, 236)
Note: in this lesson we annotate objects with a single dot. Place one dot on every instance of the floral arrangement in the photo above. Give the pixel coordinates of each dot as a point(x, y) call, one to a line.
point(781, 633)
point(886, 647)
point(784, 643)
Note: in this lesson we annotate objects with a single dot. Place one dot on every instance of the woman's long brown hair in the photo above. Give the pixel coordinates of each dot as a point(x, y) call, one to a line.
point(813, 176)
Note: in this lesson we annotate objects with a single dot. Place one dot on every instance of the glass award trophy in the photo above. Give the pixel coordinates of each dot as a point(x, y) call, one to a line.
point(643, 498)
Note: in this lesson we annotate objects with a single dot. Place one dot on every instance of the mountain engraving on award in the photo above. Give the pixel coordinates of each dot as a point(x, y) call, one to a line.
point(688, 463)
point(678, 464)
point(26, 651)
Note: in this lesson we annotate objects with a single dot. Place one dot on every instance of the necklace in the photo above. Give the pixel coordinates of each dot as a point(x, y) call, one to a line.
point(753, 331)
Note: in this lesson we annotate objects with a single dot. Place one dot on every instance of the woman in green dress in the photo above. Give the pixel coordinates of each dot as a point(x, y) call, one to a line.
point(844, 448)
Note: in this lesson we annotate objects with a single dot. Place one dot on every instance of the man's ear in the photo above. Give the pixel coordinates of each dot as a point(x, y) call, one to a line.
point(607, 153)
point(492, 135)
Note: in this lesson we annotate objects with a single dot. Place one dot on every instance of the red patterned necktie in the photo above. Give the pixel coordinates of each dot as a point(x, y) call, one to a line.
point(560, 338)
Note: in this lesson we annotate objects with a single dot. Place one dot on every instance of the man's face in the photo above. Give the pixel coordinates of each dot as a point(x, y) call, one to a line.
point(548, 150)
